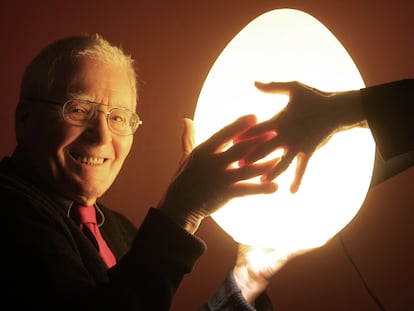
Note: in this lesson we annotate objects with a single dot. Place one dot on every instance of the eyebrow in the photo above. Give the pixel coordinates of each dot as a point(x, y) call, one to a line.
point(108, 106)
point(85, 97)
point(80, 96)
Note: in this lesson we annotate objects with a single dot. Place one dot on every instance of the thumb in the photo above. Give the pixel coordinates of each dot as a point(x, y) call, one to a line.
point(187, 137)
point(274, 87)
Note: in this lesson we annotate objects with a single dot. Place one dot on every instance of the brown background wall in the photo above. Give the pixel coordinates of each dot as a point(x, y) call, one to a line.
point(175, 43)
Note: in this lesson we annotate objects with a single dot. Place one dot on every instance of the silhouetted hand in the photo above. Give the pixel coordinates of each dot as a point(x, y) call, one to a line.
point(303, 126)
point(207, 177)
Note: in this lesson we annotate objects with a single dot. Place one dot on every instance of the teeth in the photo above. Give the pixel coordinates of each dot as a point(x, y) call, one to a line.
point(90, 161)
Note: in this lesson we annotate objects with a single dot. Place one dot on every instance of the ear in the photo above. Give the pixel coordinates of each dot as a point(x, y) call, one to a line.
point(21, 119)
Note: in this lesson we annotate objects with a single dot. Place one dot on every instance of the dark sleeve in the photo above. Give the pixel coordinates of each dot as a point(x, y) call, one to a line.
point(162, 253)
point(228, 297)
point(389, 109)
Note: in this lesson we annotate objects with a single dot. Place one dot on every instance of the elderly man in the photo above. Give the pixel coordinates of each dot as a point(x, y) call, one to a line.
point(65, 250)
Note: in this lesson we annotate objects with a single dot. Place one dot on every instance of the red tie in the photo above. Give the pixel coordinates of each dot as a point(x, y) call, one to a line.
point(87, 223)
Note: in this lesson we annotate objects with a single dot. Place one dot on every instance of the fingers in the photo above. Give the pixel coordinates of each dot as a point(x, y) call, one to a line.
point(260, 128)
point(262, 150)
point(250, 171)
point(281, 166)
point(302, 163)
point(242, 148)
point(236, 184)
point(245, 189)
point(231, 131)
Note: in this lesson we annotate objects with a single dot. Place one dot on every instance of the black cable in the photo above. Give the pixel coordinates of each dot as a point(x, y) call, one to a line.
point(364, 282)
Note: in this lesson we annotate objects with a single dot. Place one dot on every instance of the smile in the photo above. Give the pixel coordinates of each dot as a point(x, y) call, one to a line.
point(89, 160)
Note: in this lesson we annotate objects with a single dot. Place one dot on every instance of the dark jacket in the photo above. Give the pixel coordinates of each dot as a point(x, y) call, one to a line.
point(389, 109)
point(49, 264)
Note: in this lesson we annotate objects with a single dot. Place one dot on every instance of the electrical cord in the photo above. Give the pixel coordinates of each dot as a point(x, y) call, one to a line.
point(361, 277)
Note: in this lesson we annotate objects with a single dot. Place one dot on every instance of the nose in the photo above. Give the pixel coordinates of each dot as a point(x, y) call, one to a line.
point(99, 128)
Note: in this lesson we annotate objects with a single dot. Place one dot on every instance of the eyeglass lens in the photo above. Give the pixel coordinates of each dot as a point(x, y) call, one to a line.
point(121, 121)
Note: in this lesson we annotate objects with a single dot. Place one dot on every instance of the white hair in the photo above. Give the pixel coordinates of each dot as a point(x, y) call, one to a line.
point(46, 68)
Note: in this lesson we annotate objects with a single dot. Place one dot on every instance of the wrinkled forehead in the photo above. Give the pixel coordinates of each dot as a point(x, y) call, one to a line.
point(95, 80)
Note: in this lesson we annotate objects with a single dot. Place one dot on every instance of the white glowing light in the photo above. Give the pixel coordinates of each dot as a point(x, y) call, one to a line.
point(286, 45)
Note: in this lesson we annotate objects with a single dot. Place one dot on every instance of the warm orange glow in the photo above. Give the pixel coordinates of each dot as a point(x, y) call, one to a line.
point(285, 45)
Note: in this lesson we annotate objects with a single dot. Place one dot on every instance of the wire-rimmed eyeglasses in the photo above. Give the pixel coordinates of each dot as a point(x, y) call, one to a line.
point(79, 112)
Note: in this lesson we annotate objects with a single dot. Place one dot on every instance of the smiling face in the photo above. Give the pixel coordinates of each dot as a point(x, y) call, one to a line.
point(80, 162)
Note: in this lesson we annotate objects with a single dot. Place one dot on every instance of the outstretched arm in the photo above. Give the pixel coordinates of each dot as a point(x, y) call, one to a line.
point(304, 125)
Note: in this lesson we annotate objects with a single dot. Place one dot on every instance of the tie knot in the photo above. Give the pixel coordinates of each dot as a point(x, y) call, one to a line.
point(85, 214)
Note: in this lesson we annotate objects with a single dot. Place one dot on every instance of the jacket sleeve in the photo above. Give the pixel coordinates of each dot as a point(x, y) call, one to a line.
point(389, 110)
point(51, 265)
point(162, 253)
point(228, 297)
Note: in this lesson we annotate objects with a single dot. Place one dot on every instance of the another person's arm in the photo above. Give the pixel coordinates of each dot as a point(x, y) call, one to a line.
point(312, 117)
point(389, 110)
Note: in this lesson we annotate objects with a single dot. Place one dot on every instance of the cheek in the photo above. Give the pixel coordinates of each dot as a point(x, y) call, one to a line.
point(45, 143)
point(46, 134)
point(56, 137)
point(122, 148)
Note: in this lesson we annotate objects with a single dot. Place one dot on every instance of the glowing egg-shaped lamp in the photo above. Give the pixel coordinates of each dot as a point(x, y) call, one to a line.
point(287, 45)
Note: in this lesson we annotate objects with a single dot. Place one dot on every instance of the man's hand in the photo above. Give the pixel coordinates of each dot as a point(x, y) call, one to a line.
point(208, 177)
